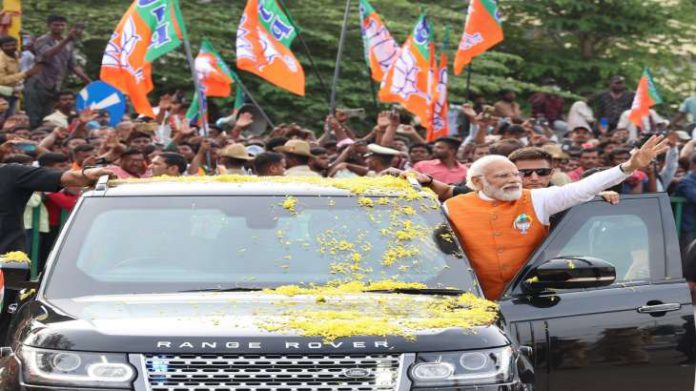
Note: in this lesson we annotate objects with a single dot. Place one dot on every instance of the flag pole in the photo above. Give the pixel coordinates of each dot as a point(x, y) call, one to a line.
point(468, 80)
point(202, 107)
point(305, 47)
point(337, 69)
point(196, 85)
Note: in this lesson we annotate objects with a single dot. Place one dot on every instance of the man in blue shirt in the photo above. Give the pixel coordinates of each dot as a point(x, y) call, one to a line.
point(687, 109)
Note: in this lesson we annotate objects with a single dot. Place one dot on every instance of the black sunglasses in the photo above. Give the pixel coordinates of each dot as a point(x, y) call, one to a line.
point(539, 171)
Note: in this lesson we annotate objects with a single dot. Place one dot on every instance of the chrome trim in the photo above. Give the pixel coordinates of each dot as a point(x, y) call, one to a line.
point(651, 309)
point(287, 372)
point(403, 382)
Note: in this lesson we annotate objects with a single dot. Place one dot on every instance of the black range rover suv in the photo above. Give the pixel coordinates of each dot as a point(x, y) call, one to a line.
point(156, 286)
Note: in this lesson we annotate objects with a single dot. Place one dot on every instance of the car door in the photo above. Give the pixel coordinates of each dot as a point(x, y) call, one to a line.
point(636, 334)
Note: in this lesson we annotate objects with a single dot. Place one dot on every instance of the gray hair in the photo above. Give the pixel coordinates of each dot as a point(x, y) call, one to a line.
point(478, 167)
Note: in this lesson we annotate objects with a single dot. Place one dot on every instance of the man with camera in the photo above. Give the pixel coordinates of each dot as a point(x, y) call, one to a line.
point(55, 53)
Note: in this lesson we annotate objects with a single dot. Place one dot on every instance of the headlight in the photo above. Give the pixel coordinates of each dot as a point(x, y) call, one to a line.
point(80, 369)
point(463, 368)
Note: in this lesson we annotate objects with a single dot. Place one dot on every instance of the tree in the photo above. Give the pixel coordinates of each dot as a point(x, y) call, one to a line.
point(583, 43)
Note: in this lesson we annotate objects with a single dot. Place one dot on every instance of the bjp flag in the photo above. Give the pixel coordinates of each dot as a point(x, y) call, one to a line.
point(409, 80)
point(482, 31)
point(439, 126)
point(147, 31)
point(215, 77)
point(645, 98)
point(380, 48)
point(264, 37)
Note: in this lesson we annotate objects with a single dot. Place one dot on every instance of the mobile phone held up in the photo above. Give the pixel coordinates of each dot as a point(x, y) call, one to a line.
point(26, 147)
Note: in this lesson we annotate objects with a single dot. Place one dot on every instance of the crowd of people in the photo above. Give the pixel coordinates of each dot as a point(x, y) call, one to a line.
point(552, 142)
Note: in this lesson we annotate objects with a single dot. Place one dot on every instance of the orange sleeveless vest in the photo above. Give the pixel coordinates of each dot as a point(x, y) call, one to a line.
point(497, 236)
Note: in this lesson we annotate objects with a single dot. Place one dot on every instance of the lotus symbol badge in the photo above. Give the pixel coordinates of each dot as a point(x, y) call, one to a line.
point(356, 373)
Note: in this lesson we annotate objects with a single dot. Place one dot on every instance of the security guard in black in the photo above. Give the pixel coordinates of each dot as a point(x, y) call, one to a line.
point(17, 183)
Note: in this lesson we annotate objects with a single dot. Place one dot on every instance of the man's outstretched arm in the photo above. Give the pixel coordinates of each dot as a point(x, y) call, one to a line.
point(552, 200)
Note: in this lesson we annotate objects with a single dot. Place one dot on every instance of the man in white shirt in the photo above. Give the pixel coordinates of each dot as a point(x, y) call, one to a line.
point(500, 223)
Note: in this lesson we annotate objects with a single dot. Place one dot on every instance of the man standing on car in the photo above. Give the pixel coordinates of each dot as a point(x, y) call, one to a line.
point(500, 223)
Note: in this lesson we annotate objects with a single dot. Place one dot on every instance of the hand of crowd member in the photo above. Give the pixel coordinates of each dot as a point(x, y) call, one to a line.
point(204, 147)
point(394, 119)
point(419, 176)
point(383, 120)
point(87, 115)
point(165, 103)
point(611, 197)
point(468, 110)
point(60, 133)
point(656, 145)
point(90, 161)
point(186, 129)
point(85, 177)
point(244, 120)
point(75, 33)
point(392, 171)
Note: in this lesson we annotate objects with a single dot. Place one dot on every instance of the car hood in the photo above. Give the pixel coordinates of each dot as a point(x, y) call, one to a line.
point(230, 323)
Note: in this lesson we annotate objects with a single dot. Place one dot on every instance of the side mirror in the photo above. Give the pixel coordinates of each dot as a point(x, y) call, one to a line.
point(15, 272)
point(571, 273)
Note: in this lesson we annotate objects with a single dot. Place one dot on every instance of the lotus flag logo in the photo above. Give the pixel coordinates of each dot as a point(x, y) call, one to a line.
point(121, 47)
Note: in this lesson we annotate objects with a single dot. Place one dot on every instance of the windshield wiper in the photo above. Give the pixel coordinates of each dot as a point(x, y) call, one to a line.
point(421, 291)
point(235, 289)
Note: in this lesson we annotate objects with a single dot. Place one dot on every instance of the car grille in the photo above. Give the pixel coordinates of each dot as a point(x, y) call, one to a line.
point(301, 372)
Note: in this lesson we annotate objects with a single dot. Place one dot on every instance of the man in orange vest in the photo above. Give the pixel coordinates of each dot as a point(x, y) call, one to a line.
point(500, 223)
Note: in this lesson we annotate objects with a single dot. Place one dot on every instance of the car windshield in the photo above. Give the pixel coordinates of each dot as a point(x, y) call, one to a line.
point(125, 245)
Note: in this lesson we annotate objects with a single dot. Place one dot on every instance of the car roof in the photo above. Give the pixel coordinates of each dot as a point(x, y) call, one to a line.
point(234, 185)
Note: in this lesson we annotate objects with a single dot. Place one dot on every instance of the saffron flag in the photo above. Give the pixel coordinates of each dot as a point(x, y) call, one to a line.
point(409, 80)
point(646, 97)
point(148, 30)
point(380, 48)
point(439, 126)
point(215, 77)
point(482, 31)
point(264, 37)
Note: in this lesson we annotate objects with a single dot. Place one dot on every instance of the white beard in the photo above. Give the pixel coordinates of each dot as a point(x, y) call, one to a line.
point(507, 193)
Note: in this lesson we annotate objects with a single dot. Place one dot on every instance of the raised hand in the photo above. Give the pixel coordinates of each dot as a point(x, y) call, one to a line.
point(468, 111)
point(655, 146)
point(244, 120)
point(87, 115)
point(383, 120)
point(165, 102)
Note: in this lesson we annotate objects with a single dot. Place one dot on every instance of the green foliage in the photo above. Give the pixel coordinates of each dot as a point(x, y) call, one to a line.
point(581, 43)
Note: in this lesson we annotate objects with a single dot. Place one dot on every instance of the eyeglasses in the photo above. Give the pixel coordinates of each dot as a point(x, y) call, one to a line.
point(527, 172)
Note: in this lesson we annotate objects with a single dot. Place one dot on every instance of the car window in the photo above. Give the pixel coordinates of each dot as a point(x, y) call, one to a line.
point(629, 237)
point(166, 244)
point(622, 240)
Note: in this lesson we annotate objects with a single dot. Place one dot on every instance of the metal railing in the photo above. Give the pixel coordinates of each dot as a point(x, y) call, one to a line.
point(36, 237)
